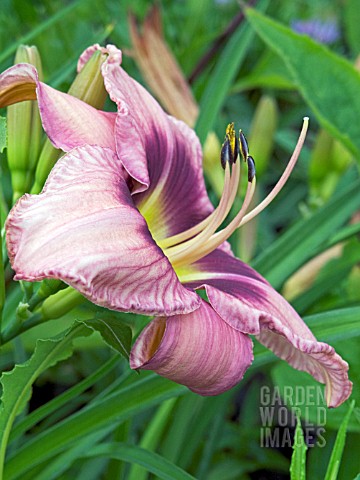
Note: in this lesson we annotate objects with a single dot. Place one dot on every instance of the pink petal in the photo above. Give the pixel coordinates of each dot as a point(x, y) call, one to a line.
point(198, 350)
point(248, 303)
point(68, 121)
point(84, 229)
point(163, 156)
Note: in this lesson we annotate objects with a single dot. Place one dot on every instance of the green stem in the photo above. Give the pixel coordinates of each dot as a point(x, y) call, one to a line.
point(2, 281)
point(53, 307)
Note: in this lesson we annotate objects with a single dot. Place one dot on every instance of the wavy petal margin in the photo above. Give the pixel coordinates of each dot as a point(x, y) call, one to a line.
point(68, 121)
point(85, 230)
point(248, 303)
point(198, 350)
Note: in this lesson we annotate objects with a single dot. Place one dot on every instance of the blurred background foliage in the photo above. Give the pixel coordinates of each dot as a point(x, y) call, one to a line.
point(317, 212)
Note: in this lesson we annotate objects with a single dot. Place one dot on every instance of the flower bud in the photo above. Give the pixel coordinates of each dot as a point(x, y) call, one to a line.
point(88, 85)
point(328, 161)
point(61, 303)
point(262, 132)
point(24, 131)
point(319, 160)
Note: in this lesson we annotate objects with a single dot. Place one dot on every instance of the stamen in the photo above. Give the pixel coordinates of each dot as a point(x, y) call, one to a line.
point(226, 153)
point(200, 249)
point(221, 212)
point(244, 149)
point(251, 168)
point(228, 156)
point(203, 244)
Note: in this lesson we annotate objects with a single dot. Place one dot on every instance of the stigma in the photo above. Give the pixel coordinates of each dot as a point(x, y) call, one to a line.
point(195, 243)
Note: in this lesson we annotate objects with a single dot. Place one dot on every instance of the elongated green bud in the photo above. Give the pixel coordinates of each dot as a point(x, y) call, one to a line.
point(262, 132)
point(87, 86)
point(328, 161)
point(24, 131)
point(341, 157)
point(320, 157)
point(61, 303)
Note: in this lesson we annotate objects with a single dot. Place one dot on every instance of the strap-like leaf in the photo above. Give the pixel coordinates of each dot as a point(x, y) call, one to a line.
point(298, 458)
point(112, 409)
point(153, 462)
point(335, 459)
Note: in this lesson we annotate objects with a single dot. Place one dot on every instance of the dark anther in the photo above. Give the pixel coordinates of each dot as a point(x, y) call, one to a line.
point(236, 149)
point(244, 149)
point(226, 153)
point(251, 168)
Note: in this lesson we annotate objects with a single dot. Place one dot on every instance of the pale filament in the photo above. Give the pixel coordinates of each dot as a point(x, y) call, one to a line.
point(227, 199)
point(207, 240)
point(199, 249)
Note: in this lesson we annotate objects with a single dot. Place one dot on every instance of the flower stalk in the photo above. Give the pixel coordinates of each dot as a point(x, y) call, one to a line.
point(2, 280)
point(24, 131)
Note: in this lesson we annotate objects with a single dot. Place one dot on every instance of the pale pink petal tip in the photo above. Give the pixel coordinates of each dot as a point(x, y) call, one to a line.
point(198, 350)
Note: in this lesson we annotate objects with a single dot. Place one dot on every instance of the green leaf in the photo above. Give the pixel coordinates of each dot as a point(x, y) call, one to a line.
point(43, 26)
point(16, 384)
point(269, 72)
point(114, 408)
point(222, 77)
point(153, 462)
point(328, 83)
point(60, 400)
point(113, 331)
point(307, 237)
point(60, 463)
point(152, 435)
point(2, 134)
point(335, 459)
point(298, 458)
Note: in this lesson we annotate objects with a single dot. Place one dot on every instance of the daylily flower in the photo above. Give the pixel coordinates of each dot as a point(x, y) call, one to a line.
point(124, 218)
